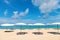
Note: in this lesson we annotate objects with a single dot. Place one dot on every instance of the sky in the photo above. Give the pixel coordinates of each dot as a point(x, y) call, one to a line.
point(29, 11)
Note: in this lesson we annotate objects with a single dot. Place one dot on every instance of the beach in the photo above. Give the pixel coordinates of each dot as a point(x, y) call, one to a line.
point(29, 36)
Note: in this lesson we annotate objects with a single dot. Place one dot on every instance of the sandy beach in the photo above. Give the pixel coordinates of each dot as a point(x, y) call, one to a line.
point(29, 35)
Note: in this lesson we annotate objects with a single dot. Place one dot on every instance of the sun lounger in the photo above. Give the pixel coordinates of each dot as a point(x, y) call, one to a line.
point(37, 33)
point(8, 31)
point(55, 33)
point(21, 33)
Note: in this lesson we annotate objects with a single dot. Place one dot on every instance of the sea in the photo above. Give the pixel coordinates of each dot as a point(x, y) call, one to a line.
point(30, 26)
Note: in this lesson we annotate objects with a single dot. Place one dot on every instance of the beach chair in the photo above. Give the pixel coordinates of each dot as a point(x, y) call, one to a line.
point(21, 33)
point(37, 33)
point(55, 33)
point(9, 31)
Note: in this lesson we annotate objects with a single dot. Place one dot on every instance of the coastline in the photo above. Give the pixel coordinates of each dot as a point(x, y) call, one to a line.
point(29, 36)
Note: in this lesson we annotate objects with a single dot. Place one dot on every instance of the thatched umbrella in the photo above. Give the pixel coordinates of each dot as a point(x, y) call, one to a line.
point(21, 32)
point(56, 33)
point(38, 33)
point(57, 23)
point(8, 25)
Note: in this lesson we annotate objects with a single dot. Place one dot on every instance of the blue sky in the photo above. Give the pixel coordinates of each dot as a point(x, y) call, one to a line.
point(29, 11)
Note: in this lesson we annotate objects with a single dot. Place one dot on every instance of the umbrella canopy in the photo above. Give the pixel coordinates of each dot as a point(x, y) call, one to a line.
point(38, 24)
point(20, 24)
point(30, 24)
point(7, 24)
point(57, 23)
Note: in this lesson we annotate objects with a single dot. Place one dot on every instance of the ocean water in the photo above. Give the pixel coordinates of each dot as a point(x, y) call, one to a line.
point(29, 27)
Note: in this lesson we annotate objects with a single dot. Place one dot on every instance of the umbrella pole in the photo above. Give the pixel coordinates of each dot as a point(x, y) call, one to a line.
point(38, 33)
point(38, 29)
point(21, 32)
point(21, 28)
point(57, 28)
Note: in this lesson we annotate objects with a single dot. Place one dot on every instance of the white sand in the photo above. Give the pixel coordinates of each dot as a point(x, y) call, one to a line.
point(29, 36)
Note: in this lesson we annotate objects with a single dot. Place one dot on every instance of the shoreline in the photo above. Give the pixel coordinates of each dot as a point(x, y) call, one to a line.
point(31, 29)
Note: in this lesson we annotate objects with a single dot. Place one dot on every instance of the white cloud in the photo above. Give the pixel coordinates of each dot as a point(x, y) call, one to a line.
point(15, 14)
point(46, 6)
point(6, 1)
point(36, 2)
point(21, 14)
point(24, 13)
point(5, 13)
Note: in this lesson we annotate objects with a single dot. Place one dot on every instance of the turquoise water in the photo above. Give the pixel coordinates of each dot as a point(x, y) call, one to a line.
point(29, 27)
